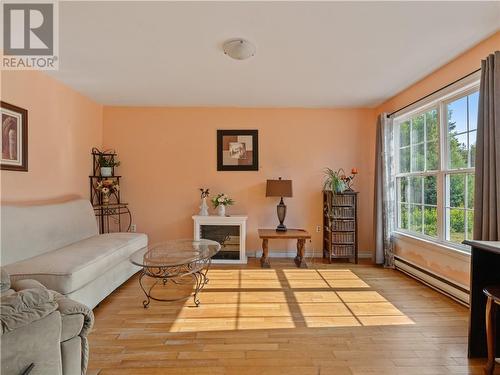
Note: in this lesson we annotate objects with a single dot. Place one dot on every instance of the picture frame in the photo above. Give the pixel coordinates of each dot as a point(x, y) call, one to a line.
point(14, 155)
point(238, 150)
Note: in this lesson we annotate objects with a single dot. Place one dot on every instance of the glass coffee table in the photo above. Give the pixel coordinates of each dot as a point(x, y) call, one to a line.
point(175, 261)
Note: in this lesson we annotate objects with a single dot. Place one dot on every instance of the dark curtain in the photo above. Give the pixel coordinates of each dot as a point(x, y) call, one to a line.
point(487, 181)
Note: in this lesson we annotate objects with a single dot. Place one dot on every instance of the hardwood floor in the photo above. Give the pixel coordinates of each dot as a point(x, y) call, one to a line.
point(328, 319)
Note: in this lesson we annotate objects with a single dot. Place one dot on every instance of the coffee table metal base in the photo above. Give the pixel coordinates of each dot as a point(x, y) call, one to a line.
point(179, 275)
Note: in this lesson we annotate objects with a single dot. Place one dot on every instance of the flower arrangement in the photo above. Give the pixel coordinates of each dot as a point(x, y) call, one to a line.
point(222, 200)
point(106, 187)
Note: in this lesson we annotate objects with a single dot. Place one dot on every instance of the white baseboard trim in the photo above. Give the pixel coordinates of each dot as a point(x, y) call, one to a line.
point(293, 253)
point(437, 282)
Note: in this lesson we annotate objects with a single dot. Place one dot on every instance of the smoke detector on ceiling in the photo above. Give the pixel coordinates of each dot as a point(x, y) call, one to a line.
point(238, 49)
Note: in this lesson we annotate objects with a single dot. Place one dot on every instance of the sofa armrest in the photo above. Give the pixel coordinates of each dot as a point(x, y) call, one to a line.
point(67, 306)
point(25, 307)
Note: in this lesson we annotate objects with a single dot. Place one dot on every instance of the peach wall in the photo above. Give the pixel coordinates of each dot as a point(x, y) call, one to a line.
point(440, 259)
point(63, 126)
point(168, 153)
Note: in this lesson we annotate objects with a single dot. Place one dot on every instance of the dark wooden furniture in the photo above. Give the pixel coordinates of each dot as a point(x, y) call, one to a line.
point(485, 272)
point(114, 216)
point(300, 235)
point(340, 225)
point(492, 304)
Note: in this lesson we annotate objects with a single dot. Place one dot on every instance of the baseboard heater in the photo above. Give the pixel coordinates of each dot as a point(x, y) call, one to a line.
point(442, 285)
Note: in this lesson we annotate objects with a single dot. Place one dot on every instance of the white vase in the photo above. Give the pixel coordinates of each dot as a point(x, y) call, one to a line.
point(221, 210)
point(106, 171)
point(203, 207)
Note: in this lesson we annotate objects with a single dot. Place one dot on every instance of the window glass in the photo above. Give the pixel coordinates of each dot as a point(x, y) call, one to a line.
point(430, 221)
point(417, 129)
point(457, 116)
point(457, 150)
point(417, 158)
point(404, 159)
point(473, 102)
point(430, 190)
point(415, 189)
point(456, 230)
point(436, 179)
point(404, 134)
point(431, 126)
point(459, 210)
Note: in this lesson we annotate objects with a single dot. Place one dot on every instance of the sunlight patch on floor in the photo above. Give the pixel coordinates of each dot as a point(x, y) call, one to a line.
point(289, 298)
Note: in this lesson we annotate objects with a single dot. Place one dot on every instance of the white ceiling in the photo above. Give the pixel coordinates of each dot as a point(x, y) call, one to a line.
point(309, 54)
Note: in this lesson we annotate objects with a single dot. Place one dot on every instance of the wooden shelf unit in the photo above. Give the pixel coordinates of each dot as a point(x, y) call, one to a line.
point(340, 225)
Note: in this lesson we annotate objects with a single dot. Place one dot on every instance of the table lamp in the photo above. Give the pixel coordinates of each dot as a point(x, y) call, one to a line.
point(279, 188)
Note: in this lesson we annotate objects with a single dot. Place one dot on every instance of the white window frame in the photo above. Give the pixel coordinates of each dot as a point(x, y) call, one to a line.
point(437, 101)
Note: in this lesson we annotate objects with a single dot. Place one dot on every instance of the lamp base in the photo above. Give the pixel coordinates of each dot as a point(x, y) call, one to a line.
point(281, 209)
point(281, 228)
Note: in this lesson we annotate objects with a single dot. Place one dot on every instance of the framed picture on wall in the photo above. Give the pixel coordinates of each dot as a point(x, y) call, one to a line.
point(14, 138)
point(237, 150)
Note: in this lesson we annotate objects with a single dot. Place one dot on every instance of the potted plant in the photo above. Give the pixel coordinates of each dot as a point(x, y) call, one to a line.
point(334, 181)
point(220, 202)
point(107, 164)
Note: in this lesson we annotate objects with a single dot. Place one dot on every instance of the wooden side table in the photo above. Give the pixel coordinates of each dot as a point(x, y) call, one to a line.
point(300, 235)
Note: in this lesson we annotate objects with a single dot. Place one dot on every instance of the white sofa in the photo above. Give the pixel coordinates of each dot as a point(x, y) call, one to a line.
point(59, 246)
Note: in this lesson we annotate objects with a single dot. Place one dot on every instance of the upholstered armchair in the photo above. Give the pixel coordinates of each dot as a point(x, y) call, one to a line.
point(42, 332)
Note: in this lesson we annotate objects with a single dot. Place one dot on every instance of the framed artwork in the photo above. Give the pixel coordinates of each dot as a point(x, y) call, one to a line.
point(14, 138)
point(237, 150)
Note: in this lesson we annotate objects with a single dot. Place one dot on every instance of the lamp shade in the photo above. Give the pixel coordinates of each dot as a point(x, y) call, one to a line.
point(279, 188)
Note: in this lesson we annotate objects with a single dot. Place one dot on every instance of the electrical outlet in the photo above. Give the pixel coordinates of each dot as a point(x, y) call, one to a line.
point(133, 228)
point(318, 228)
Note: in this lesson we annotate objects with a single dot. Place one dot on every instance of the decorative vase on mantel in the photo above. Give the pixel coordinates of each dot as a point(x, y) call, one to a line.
point(203, 207)
point(221, 210)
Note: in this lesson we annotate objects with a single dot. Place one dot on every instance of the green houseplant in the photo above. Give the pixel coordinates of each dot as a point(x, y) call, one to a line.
point(333, 181)
point(106, 165)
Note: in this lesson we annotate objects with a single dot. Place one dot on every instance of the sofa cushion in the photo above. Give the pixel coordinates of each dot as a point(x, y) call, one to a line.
point(29, 231)
point(69, 268)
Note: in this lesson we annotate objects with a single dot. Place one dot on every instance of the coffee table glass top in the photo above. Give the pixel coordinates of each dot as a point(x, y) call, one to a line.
point(175, 253)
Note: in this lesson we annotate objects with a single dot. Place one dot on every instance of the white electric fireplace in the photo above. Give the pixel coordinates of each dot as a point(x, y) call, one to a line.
point(229, 231)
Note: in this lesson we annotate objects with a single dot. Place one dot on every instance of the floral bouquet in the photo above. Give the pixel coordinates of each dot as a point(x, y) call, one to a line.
point(222, 200)
point(106, 187)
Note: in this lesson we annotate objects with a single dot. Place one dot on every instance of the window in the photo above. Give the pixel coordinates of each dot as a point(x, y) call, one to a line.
point(435, 150)
point(461, 116)
point(418, 161)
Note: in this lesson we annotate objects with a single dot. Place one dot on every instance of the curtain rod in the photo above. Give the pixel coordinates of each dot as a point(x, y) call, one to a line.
point(432, 93)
